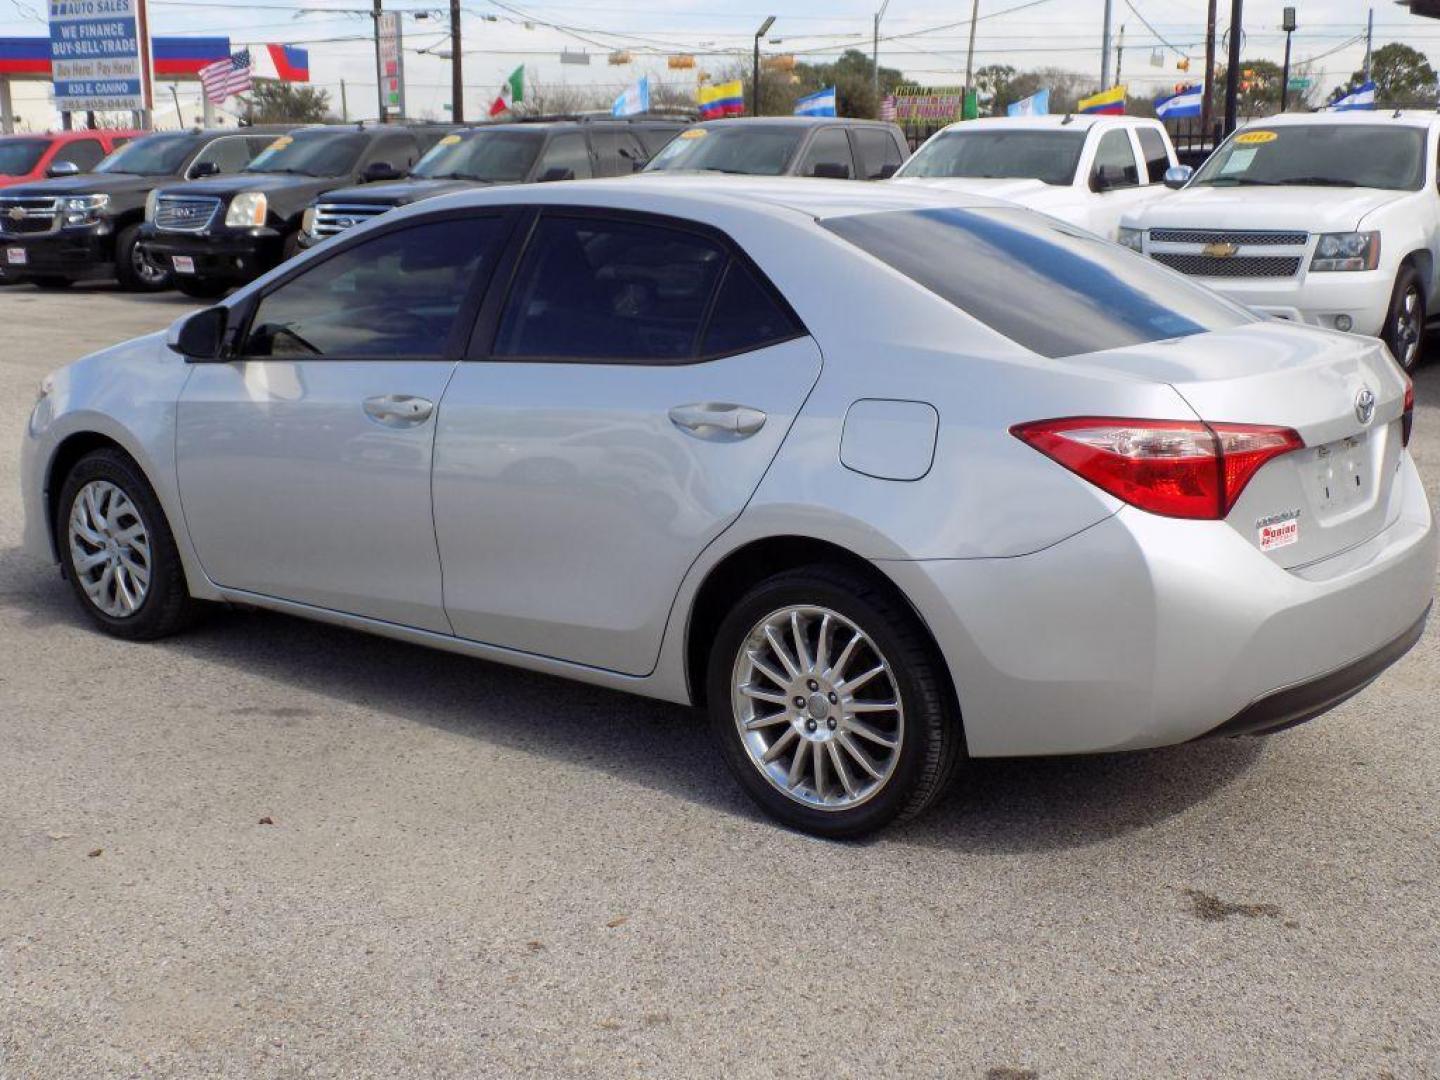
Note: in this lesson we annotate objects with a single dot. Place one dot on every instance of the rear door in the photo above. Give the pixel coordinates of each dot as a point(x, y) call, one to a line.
point(617, 413)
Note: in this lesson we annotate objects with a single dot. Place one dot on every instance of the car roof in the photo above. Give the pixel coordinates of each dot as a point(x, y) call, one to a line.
point(71, 136)
point(1067, 122)
point(1399, 118)
point(791, 121)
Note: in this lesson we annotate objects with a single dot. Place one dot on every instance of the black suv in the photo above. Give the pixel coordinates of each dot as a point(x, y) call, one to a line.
point(55, 232)
point(228, 230)
point(840, 148)
point(523, 152)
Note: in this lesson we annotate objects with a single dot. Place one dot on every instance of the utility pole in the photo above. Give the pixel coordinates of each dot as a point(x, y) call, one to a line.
point(457, 80)
point(755, 71)
point(1120, 55)
point(970, 54)
point(379, 71)
point(1289, 28)
point(1104, 46)
point(1232, 71)
point(1369, 43)
point(875, 55)
point(344, 104)
point(1207, 106)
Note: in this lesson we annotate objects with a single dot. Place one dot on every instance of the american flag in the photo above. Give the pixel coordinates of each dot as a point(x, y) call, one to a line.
point(226, 77)
point(887, 107)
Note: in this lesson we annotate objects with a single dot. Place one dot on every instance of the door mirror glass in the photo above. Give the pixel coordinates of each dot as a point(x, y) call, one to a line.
point(63, 168)
point(556, 173)
point(201, 336)
point(205, 168)
point(1178, 176)
point(380, 170)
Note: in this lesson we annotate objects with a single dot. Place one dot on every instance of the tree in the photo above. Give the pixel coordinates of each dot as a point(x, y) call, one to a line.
point(1402, 77)
point(275, 102)
point(556, 99)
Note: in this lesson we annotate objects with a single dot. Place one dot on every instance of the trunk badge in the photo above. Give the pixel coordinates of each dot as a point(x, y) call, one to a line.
point(1365, 405)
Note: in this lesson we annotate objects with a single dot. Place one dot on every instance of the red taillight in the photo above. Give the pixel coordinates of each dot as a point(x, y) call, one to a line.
point(1178, 468)
point(1407, 418)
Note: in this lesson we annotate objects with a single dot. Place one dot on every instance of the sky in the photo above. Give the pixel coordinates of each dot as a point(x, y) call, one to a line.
point(926, 40)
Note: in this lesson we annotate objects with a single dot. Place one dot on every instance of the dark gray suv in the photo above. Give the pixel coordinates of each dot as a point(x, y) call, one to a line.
point(840, 148)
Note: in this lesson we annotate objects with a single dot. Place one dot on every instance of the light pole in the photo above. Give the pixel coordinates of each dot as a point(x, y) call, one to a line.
point(1232, 73)
point(1105, 46)
point(457, 80)
point(1289, 28)
point(875, 55)
point(755, 74)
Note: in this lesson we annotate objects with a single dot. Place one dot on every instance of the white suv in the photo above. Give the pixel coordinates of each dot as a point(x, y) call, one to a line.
point(1331, 219)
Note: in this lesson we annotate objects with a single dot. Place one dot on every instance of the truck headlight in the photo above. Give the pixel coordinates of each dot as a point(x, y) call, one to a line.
point(150, 202)
point(307, 221)
point(246, 209)
point(1131, 238)
point(1347, 251)
point(84, 209)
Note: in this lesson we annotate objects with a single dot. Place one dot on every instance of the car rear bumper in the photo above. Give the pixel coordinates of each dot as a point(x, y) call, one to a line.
point(1145, 631)
point(232, 255)
point(79, 254)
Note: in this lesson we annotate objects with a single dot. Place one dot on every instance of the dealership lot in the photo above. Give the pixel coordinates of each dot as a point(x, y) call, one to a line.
point(271, 848)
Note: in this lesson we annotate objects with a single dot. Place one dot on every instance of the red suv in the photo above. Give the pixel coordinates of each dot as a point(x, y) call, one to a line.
point(52, 153)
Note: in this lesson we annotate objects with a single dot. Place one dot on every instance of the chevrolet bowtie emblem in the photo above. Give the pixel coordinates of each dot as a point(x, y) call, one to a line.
point(1220, 250)
point(17, 214)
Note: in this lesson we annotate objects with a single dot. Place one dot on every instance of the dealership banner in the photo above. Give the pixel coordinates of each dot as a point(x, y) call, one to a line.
point(97, 55)
point(914, 104)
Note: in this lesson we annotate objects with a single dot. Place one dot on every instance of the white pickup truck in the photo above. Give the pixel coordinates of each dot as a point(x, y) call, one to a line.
point(1331, 219)
point(1087, 170)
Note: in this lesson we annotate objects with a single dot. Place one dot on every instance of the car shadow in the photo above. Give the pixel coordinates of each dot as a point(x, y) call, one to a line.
point(1011, 805)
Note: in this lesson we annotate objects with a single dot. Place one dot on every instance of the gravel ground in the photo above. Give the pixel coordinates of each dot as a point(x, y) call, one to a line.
point(271, 848)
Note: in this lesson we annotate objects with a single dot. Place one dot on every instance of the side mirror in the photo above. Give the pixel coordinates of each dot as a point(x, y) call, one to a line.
point(62, 168)
point(831, 170)
point(204, 168)
point(380, 170)
point(888, 170)
point(200, 337)
point(1177, 176)
point(1100, 181)
point(554, 173)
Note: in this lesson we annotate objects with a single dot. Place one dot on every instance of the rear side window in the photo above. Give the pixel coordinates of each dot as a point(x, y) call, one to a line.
point(747, 315)
point(1157, 161)
point(877, 150)
point(610, 291)
point(1049, 288)
point(828, 147)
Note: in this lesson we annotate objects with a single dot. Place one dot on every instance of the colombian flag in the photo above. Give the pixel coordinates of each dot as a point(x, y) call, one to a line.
point(1111, 102)
point(724, 99)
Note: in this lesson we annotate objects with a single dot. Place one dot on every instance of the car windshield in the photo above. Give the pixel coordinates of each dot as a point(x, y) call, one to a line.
point(1390, 157)
point(153, 155)
point(752, 151)
point(1049, 287)
point(496, 156)
point(1051, 156)
point(19, 156)
point(311, 153)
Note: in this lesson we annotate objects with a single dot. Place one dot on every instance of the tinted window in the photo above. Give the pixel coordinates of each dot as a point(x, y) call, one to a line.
point(746, 316)
point(231, 154)
point(877, 149)
point(312, 153)
point(567, 151)
point(487, 155)
point(740, 148)
point(153, 155)
point(397, 151)
point(609, 290)
point(1114, 163)
point(653, 138)
point(84, 153)
point(1048, 156)
point(394, 296)
point(1157, 161)
point(1053, 289)
point(618, 153)
point(19, 156)
point(1320, 155)
point(828, 147)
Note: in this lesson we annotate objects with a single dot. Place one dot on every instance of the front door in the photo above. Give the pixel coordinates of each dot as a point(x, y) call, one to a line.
point(304, 462)
point(641, 380)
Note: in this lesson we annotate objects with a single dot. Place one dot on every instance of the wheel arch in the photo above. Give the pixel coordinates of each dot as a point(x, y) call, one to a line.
point(1424, 262)
point(65, 457)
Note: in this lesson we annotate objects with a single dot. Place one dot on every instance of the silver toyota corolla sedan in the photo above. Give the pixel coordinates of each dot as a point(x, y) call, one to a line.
point(884, 479)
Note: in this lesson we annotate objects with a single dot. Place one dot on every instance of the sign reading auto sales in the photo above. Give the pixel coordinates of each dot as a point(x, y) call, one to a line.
point(96, 54)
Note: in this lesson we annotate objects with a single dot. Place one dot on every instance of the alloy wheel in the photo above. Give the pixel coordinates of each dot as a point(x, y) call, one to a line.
point(1409, 327)
point(146, 269)
point(818, 707)
point(109, 549)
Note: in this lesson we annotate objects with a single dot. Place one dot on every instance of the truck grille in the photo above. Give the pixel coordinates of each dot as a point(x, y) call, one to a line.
point(1221, 236)
point(332, 218)
point(185, 213)
point(1244, 266)
point(27, 216)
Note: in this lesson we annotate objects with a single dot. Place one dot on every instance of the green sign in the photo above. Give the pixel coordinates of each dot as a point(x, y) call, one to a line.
point(1301, 84)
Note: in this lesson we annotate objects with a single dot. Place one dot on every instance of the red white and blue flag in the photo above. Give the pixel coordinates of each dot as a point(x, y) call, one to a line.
point(226, 77)
point(292, 63)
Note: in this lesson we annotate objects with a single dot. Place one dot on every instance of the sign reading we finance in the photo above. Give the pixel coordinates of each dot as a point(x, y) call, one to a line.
point(96, 58)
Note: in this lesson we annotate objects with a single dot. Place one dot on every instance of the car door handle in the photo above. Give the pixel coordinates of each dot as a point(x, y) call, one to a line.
point(710, 420)
point(399, 410)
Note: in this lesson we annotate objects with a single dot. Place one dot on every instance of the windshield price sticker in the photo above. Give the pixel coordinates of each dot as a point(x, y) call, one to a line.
point(694, 133)
point(280, 143)
point(449, 140)
point(1278, 530)
point(1238, 161)
point(1255, 138)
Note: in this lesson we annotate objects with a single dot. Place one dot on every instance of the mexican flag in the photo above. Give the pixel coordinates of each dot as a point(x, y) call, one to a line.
point(511, 91)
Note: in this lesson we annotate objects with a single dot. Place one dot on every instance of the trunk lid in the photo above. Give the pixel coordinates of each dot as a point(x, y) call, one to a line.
point(1336, 492)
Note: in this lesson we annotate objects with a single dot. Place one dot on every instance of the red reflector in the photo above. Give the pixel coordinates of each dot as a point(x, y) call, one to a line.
point(1177, 468)
point(1407, 418)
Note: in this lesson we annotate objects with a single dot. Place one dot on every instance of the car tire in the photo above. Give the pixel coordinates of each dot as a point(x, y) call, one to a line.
point(135, 271)
point(1404, 331)
point(51, 281)
point(106, 506)
point(200, 288)
point(896, 761)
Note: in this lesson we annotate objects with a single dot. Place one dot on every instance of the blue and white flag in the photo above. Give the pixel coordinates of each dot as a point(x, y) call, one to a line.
point(1188, 102)
point(1362, 97)
point(820, 103)
point(634, 100)
point(1037, 104)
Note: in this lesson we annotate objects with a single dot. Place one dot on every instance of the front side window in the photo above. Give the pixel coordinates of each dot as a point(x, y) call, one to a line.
point(654, 137)
point(153, 155)
point(964, 153)
point(230, 154)
point(830, 148)
point(1050, 288)
point(84, 154)
point(567, 153)
point(311, 153)
point(617, 152)
point(394, 297)
point(19, 156)
point(1319, 155)
point(592, 289)
point(1157, 159)
point(739, 148)
point(496, 157)
point(1114, 166)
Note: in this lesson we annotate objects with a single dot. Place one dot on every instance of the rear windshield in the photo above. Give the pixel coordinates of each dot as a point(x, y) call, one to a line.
point(153, 155)
point(752, 151)
point(311, 153)
point(19, 156)
point(496, 156)
point(1319, 155)
point(1050, 156)
point(1050, 288)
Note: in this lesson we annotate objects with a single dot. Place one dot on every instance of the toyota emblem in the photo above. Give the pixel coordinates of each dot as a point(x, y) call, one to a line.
point(1365, 405)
